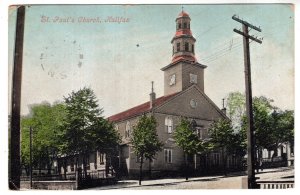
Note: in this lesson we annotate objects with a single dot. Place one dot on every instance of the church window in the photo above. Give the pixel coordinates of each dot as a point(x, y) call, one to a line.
point(184, 25)
point(172, 79)
point(193, 103)
point(188, 25)
point(101, 159)
point(193, 48)
point(193, 78)
point(169, 124)
point(179, 25)
point(127, 130)
point(199, 132)
point(186, 46)
point(168, 155)
point(178, 47)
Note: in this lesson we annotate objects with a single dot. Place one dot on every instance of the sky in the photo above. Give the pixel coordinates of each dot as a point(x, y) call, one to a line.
point(66, 54)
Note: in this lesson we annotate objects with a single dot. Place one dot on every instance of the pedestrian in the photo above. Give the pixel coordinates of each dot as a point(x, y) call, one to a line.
point(261, 164)
point(256, 165)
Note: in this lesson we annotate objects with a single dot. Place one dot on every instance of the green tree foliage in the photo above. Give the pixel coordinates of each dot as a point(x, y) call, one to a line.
point(104, 135)
point(278, 129)
point(264, 129)
point(85, 129)
point(83, 114)
point(46, 121)
point(222, 136)
point(272, 126)
point(236, 108)
point(145, 141)
point(187, 139)
point(284, 121)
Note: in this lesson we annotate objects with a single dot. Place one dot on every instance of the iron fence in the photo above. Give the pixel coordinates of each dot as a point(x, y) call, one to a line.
point(275, 184)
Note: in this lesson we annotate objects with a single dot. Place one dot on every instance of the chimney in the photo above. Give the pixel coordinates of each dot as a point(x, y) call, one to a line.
point(223, 109)
point(152, 96)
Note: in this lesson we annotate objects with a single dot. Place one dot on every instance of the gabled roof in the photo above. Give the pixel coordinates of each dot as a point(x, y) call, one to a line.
point(214, 106)
point(140, 109)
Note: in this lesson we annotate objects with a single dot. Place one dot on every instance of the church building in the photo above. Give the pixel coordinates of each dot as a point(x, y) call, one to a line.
point(184, 96)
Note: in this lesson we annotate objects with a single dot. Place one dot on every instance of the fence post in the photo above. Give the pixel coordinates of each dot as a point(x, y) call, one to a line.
point(76, 179)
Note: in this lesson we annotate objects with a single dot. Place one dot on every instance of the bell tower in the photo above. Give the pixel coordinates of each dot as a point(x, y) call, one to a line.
point(184, 70)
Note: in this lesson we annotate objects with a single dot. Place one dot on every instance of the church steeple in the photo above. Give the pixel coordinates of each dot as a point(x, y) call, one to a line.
point(183, 41)
point(184, 70)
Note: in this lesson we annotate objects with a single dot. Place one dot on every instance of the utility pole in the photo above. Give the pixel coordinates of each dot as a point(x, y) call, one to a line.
point(249, 110)
point(14, 152)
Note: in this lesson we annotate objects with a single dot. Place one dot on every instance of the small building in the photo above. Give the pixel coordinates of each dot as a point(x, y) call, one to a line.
point(98, 165)
point(284, 156)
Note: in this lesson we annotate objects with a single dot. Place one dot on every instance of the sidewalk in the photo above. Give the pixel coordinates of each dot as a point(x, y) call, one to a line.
point(231, 181)
point(158, 182)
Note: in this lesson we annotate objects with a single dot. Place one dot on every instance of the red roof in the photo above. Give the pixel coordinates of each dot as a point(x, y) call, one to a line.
point(183, 32)
point(183, 14)
point(145, 107)
point(184, 57)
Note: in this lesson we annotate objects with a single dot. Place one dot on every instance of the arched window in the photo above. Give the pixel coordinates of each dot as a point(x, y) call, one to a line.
point(193, 48)
point(186, 46)
point(179, 25)
point(184, 25)
point(127, 129)
point(178, 47)
point(168, 155)
point(169, 124)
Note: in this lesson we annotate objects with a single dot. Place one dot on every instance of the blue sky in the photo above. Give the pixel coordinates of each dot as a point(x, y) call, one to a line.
point(66, 56)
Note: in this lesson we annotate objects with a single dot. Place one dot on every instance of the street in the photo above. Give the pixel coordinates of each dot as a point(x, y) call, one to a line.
point(232, 181)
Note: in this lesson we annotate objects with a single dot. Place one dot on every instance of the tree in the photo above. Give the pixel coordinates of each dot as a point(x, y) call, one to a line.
point(223, 137)
point(186, 138)
point(286, 126)
point(85, 129)
point(272, 126)
point(282, 123)
point(263, 127)
point(45, 120)
point(145, 141)
point(236, 108)
point(106, 139)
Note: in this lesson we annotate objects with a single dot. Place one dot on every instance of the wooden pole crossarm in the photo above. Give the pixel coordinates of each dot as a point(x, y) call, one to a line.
point(248, 36)
point(246, 23)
